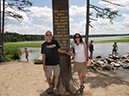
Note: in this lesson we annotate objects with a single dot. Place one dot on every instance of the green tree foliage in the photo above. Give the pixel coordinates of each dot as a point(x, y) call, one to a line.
point(17, 5)
point(15, 37)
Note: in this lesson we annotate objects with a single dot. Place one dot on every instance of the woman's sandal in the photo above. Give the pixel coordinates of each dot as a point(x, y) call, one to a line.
point(82, 87)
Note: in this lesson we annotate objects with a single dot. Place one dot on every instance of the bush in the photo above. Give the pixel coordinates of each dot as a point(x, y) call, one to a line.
point(37, 62)
point(11, 54)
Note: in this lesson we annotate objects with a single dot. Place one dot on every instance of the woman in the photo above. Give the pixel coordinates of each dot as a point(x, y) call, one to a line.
point(80, 59)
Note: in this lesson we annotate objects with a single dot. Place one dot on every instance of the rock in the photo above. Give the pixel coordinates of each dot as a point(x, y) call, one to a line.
point(109, 60)
point(123, 56)
point(98, 56)
point(127, 60)
point(105, 61)
point(110, 54)
point(119, 62)
point(125, 66)
point(100, 62)
point(106, 67)
point(115, 57)
point(115, 64)
point(96, 65)
point(39, 58)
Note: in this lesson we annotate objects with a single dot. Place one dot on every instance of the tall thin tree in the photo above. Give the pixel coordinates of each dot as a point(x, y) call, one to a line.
point(2, 36)
point(87, 24)
point(0, 24)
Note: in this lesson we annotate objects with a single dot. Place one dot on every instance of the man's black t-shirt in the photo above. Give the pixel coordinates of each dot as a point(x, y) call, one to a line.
point(50, 49)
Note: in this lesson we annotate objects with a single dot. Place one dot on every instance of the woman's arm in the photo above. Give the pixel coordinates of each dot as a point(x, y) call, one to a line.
point(85, 49)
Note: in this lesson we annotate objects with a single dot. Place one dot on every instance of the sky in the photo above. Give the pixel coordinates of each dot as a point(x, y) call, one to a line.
point(39, 20)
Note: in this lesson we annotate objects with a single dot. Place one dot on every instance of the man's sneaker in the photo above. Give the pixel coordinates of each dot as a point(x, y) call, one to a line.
point(49, 90)
point(56, 92)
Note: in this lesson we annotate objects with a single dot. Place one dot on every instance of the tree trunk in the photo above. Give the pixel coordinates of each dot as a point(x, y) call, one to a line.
point(2, 37)
point(87, 26)
point(0, 25)
point(66, 83)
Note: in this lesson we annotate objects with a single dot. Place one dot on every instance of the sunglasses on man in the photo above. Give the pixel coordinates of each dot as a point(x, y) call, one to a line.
point(49, 35)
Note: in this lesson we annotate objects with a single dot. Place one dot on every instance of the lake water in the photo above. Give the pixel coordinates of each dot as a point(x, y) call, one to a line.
point(103, 49)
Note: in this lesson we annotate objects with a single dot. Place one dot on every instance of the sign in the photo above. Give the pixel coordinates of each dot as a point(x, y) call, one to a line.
point(61, 23)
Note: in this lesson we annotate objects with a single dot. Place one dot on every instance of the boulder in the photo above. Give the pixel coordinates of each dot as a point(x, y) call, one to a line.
point(98, 56)
point(125, 66)
point(119, 62)
point(105, 61)
point(115, 64)
point(100, 62)
point(39, 58)
point(127, 60)
point(115, 57)
point(109, 60)
point(107, 67)
point(123, 56)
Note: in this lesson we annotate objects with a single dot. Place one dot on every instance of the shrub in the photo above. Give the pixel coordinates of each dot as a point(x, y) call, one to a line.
point(11, 54)
point(37, 62)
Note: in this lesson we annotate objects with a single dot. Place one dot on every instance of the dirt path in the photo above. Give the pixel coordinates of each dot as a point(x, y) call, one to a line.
point(27, 79)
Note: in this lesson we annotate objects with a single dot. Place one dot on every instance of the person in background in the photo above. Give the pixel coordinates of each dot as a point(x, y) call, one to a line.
point(72, 49)
point(50, 59)
point(115, 48)
point(1, 57)
point(91, 49)
point(27, 54)
point(80, 58)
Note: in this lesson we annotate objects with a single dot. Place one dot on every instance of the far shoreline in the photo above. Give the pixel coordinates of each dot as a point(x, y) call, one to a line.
point(37, 44)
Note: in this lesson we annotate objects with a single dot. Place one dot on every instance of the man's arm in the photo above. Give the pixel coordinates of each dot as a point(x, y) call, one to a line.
point(66, 52)
point(62, 51)
point(43, 60)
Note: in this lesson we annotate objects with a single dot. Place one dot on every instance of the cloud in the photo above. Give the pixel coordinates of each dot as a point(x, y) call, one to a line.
point(28, 29)
point(77, 11)
point(102, 26)
point(42, 13)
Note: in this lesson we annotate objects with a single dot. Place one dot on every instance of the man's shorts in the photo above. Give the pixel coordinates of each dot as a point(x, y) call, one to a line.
point(79, 66)
point(55, 68)
point(114, 50)
point(91, 51)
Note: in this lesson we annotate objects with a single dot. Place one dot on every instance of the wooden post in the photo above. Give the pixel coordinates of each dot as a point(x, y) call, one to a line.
point(61, 34)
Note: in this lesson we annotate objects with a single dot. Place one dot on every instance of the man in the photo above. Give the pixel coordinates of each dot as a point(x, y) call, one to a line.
point(1, 57)
point(50, 58)
point(91, 49)
point(115, 48)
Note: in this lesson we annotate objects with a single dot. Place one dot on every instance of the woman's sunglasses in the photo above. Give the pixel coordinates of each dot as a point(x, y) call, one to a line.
point(77, 37)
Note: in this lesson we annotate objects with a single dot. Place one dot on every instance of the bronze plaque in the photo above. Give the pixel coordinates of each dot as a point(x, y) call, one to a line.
point(61, 23)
